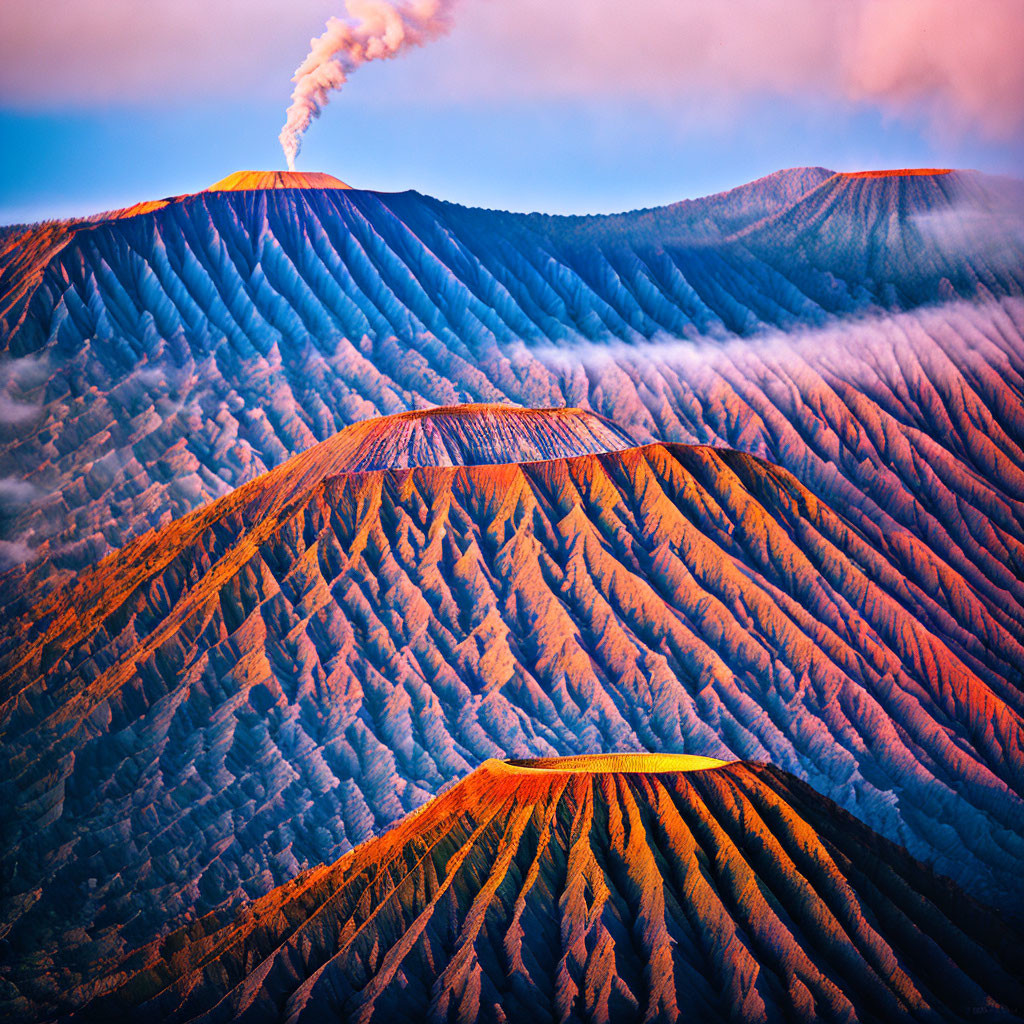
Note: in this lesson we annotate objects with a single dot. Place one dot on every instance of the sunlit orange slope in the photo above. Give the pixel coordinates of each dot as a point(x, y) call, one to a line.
point(604, 890)
point(266, 682)
point(242, 181)
point(239, 181)
point(900, 172)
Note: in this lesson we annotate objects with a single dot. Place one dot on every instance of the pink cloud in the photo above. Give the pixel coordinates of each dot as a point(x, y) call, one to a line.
point(960, 61)
point(92, 52)
point(956, 61)
point(648, 47)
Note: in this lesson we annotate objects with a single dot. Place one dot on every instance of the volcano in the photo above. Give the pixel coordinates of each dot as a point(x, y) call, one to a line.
point(264, 683)
point(313, 500)
point(243, 181)
point(169, 355)
point(475, 435)
point(604, 889)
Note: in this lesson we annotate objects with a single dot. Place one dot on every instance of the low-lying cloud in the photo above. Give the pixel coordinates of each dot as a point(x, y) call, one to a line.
point(15, 493)
point(13, 552)
point(857, 350)
point(13, 412)
point(982, 238)
point(19, 375)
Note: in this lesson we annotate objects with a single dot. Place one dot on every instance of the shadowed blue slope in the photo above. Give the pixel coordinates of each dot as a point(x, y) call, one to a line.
point(864, 333)
point(181, 351)
point(277, 267)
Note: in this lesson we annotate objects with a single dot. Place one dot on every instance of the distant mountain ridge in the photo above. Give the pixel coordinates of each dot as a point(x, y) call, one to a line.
point(718, 216)
point(903, 232)
point(603, 889)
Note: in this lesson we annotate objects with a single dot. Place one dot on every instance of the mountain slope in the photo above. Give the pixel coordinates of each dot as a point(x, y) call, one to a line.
point(158, 360)
point(598, 889)
point(259, 686)
point(900, 234)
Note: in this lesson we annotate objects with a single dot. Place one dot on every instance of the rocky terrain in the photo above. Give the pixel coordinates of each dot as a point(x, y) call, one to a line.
point(314, 500)
point(597, 889)
point(263, 684)
point(154, 361)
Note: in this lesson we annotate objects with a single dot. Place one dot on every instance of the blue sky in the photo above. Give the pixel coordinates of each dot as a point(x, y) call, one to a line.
point(470, 119)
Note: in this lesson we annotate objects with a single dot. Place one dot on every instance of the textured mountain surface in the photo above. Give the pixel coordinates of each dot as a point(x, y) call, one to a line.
point(264, 683)
point(157, 360)
point(259, 685)
point(241, 181)
point(474, 435)
point(612, 890)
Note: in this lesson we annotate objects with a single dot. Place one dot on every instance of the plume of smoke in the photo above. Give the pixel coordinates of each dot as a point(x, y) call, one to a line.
point(373, 30)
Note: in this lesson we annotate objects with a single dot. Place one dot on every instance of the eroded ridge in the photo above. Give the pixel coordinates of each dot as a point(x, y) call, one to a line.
point(607, 896)
point(262, 684)
point(616, 763)
point(267, 682)
point(181, 348)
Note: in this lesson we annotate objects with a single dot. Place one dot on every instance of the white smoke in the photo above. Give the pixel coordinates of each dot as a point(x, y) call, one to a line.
point(373, 30)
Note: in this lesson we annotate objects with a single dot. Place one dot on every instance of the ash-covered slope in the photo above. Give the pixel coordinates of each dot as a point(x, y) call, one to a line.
point(476, 435)
point(266, 682)
point(598, 889)
point(160, 359)
point(899, 234)
point(256, 687)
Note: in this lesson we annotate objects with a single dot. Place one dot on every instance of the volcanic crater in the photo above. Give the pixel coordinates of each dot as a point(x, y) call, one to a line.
point(631, 890)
